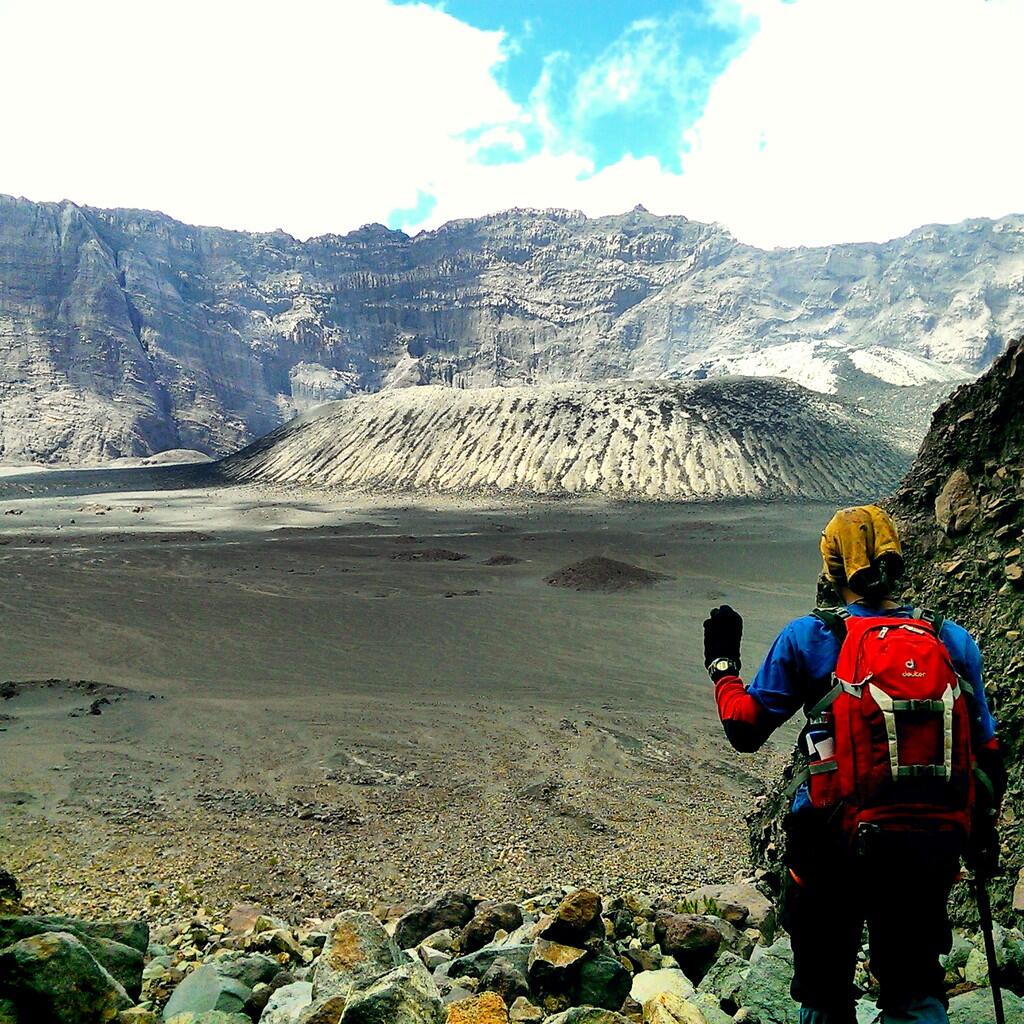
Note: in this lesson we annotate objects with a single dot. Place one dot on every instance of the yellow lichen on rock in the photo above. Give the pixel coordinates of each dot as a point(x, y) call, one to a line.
point(487, 1008)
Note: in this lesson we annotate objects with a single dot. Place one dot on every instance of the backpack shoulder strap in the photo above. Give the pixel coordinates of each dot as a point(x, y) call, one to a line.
point(834, 620)
point(934, 619)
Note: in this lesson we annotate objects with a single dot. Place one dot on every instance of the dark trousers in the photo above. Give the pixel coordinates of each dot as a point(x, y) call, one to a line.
point(897, 883)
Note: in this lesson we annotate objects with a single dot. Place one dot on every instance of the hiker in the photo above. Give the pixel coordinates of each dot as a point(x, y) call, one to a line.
point(888, 802)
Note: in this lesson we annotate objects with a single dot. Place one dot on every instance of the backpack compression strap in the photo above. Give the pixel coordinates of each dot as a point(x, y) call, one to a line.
point(834, 620)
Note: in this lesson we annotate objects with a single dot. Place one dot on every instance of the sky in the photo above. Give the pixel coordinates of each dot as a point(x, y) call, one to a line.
point(790, 122)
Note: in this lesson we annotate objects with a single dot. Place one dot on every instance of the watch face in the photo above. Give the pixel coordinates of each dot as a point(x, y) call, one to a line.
point(722, 665)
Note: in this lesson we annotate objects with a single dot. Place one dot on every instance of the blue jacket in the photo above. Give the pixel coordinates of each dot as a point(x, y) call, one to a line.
point(803, 657)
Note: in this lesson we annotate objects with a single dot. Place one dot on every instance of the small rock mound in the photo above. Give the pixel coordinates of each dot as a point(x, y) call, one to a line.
point(603, 574)
point(429, 555)
point(503, 560)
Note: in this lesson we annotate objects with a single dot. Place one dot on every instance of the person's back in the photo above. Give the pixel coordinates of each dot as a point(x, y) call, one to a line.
point(889, 858)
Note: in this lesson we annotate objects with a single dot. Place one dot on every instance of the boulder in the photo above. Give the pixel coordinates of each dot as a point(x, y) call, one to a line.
point(210, 1017)
point(577, 921)
point(1018, 892)
point(454, 994)
point(10, 893)
point(127, 932)
point(432, 958)
point(553, 972)
point(708, 1005)
point(135, 1015)
point(648, 984)
point(277, 940)
point(123, 961)
point(323, 1011)
point(644, 959)
point(759, 912)
point(251, 969)
point(668, 1008)
point(52, 976)
point(765, 990)
point(588, 1015)
point(407, 995)
point(603, 982)
point(488, 1008)
point(505, 978)
point(522, 1011)
point(1009, 943)
point(262, 992)
point(732, 938)
point(356, 953)
point(957, 956)
point(242, 916)
point(488, 920)
point(287, 1002)
point(691, 939)
point(443, 941)
point(449, 910)
point(724, 978)
point(866, 1011)
point(206, 988)
point(976, 1008)
point(976, 968)
point(956, 506)
point(476, 964)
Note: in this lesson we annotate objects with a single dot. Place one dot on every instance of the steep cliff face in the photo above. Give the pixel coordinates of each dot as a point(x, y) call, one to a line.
point(123, 332)
point(736, 437)
point(961, 511)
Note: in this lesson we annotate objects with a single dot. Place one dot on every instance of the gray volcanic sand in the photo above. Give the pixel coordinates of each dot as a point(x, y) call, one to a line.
point(298, 717)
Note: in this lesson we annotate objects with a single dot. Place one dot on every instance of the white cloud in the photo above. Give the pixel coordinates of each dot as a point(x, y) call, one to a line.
point(842, 119)
point(862, 119)
point(312, 115)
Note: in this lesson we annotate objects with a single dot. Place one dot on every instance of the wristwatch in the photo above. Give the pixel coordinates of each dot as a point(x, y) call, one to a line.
point(722, 667)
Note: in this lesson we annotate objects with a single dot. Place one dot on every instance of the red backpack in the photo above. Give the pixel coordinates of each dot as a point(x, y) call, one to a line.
point(890, 743)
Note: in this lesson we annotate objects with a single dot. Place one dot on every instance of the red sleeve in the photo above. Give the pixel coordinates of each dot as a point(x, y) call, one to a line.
point(735, 704)
point(747, 723)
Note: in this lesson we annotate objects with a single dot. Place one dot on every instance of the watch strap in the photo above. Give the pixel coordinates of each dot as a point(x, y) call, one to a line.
point(719, 667)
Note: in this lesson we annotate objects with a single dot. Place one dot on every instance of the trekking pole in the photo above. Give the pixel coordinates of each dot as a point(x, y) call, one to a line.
point(985, 918)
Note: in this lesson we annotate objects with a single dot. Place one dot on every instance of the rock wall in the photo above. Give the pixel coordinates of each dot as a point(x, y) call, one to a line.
point(961, 512)
point(124, 332)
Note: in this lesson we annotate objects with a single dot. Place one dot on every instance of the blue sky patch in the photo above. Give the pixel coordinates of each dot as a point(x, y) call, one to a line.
point(408, 216)
point(612, 79)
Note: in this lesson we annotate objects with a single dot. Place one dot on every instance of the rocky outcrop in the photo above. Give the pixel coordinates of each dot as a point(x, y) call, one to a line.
point(124, 332)
point(701, 440)
point(961, 512)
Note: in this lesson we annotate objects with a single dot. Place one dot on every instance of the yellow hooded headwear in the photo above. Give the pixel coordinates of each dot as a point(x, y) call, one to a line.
point(860, 549)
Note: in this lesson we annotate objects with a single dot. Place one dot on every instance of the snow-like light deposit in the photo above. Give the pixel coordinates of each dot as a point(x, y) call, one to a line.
point(808, 363)
point(903, 369)
point(733, 437)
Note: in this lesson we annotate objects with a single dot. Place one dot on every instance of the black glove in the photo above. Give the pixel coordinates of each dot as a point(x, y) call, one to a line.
point(722, 634)
point(991, 769)
point(983, 849)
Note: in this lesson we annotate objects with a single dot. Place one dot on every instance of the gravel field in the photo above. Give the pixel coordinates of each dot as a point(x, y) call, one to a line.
point(225, 693)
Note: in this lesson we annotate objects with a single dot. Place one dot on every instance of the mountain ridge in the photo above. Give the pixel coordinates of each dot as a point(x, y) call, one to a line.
point(124, 332)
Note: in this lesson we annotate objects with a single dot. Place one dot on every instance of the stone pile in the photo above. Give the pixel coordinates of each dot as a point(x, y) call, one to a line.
point(565, 957)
